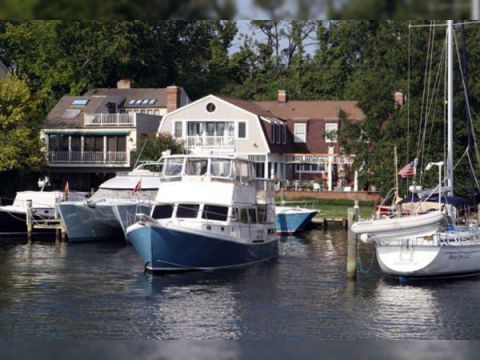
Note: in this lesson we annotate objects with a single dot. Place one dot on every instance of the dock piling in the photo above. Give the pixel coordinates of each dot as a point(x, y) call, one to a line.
point(29, 218)
point(353, 216)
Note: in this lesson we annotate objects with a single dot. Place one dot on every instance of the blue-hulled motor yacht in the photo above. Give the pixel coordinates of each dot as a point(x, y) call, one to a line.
point(291, 220)
point(211, 212)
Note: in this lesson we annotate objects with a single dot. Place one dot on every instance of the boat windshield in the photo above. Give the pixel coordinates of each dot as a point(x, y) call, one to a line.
point(196, 167)
point(221, 167)
point(173, 167)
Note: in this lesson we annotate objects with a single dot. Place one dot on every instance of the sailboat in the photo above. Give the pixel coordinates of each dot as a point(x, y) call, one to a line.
point(427, 245)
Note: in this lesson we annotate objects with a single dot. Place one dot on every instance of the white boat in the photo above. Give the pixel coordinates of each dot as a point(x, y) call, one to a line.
point(13, 217)
point(394, 227)
point(96, 219)
point(211, 212)
point(427, 245)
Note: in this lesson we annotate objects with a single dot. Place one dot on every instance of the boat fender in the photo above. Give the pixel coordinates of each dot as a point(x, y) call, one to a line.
point(365, 238)
point(91, 204)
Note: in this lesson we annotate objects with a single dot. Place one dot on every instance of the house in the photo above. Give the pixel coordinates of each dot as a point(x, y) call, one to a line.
point(3, 70)
point(92, 137)
point(289, 140)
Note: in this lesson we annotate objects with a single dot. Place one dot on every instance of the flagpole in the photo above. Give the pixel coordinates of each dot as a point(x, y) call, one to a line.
point(396, 171)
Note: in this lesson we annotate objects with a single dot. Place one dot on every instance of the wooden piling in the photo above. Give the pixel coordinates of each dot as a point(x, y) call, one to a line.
point(478, 215)
point(353, 216)
point(29, 218)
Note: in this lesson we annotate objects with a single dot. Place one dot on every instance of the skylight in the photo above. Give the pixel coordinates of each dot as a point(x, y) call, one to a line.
point(80, 102)
point(131, 102)
point(138, 102)
point(152, 101)
point(145, 102)
point(70, 114)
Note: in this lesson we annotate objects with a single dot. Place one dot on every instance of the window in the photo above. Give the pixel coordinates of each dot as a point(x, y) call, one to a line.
point(299, 132)
point(212, 212)
point(162, 212)
point(188, 211)
point(211, 107)
point(63, 143)
point(279, 133)
point(88, 143)
point(80, 102)
point(53, 143)
point(116, 143)
point(310, 168)
point(173, 167)
point(242, 130)
point(220, 167)
point(178, 129)
point(284, 134)
point(71, 114)
point(331, 132)
point(262, 214)
point(76, 143)
point(241, 171)
point(196, 167)
point(252, 216)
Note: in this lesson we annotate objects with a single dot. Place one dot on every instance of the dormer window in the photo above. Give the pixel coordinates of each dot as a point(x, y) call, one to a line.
point(331, 132)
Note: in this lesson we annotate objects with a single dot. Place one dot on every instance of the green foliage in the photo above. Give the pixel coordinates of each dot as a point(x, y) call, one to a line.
point(19, 121)
point(152, 146)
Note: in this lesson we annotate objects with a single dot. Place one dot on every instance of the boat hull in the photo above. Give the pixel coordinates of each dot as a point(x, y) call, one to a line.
point(429, 261)
point(90, 223)
point(165, 249)
point(293, 222)
point(126, 213)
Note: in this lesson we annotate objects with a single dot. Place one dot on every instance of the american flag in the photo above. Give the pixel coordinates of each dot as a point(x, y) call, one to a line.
point(408, 170)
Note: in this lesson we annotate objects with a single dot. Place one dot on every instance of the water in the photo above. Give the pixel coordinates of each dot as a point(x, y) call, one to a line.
point(54, 290)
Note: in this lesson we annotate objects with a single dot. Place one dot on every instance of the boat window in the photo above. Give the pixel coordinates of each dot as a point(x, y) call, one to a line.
point(173, 167)
point(240, 215)
point(241, 170)
point(252, 215)
point(262, 214)
point(196, 167)
point(162, 212)
point(220, 167)
point(187, 210)
point(212, 212)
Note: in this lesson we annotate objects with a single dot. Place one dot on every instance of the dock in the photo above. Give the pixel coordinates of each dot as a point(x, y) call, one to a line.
point(324, 223)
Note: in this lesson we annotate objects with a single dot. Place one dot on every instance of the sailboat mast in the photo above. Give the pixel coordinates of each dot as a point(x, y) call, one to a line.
point(450, 107)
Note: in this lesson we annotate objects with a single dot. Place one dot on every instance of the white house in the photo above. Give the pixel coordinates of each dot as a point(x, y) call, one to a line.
point(286, 139)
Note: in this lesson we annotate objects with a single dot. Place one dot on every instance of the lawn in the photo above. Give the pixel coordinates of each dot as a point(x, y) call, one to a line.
point(333, 209)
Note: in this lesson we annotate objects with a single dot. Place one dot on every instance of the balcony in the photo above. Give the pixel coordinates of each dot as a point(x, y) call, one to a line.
point(110, 120)
point(91, 158)
point(200, 142)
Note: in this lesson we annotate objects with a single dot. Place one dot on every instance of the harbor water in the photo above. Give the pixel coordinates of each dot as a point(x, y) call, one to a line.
point(56, 290)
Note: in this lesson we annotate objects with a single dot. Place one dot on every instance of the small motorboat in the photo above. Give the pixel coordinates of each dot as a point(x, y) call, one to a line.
point(291, 220)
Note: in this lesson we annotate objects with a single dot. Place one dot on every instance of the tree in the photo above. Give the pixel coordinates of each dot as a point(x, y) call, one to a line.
point(151, 148)
point(19, 121)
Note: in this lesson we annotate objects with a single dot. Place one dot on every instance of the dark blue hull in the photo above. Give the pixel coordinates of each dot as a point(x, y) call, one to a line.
point(12, 224)
point(293, 223)
point(163, 249)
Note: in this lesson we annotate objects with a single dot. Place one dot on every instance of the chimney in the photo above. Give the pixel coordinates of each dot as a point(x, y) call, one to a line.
point(173, 98)
point(124, 84)
point(398, 100)
point(282, 96)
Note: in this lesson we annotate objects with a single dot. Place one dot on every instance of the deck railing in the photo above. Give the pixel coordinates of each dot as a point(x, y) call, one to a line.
point(211, 142)
point(88, 157)
point(119, 119)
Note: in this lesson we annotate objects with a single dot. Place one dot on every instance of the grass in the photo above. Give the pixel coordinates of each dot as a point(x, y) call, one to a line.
point(335, 208)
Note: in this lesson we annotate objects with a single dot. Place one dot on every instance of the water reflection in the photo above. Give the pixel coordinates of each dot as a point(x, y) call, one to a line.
point(55, 290)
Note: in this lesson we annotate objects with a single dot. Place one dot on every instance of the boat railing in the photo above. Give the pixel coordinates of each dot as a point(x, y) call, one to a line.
point(410, 242)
